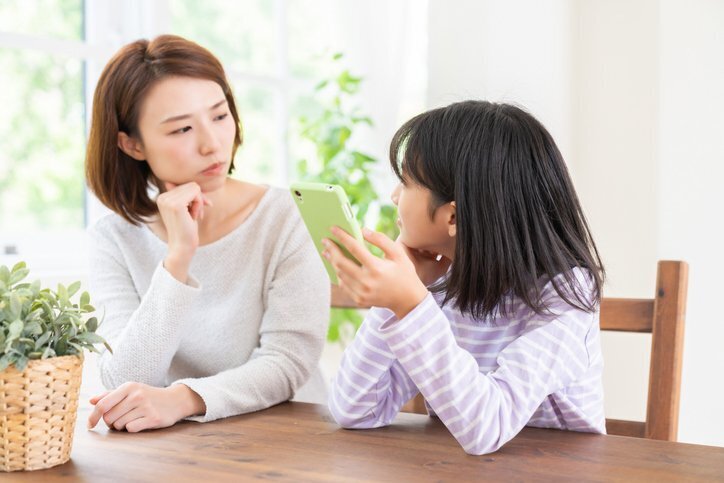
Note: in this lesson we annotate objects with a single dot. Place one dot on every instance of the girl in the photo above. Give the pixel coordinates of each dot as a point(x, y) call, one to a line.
point(487, 303)
point(216, 303)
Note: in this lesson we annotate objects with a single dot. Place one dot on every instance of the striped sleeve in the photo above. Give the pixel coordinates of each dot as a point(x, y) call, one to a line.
point(371, 386)
point(484, 411)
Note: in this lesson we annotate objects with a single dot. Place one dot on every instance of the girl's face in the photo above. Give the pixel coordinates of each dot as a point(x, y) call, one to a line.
point(417, 230)
point(187, 132)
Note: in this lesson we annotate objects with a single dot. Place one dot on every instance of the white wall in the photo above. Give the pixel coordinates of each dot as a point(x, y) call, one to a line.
point(615, 168)
point(489, 50)
point(632, 91)
point(691, 163)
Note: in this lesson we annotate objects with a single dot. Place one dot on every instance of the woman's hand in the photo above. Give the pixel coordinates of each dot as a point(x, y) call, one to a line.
point(180, 208)
point(137, 407)
point(429, 266)
point(391, 282)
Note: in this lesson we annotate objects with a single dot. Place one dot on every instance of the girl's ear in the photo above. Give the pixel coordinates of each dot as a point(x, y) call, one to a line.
point(452, 221)
point(131, 146)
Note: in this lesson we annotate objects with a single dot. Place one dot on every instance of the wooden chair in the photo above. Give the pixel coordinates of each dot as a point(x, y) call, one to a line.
point(662, 317)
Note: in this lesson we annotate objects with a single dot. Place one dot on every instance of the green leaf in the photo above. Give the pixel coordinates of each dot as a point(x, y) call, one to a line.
point(15, 306)
point(23, 291)
point(84, 299)
point(18, 275)
point(328, 127)
point(91, 338)
point(32, 328)
point(92, 348)
point(18, 266)
point(63, 295)
point(347, 82)
point(43, 339)
point(4, 274)
point(73, 288)
point(4, 362)
point(344, 134)
point(21, 362)
point(48, 310)
point(88, 308)
point(15, 329)
point(35, 314)
point(92, 324)
point(61, 346)
point(49, 296)
point(77, 349)
point(364, 120)
point(35, 288)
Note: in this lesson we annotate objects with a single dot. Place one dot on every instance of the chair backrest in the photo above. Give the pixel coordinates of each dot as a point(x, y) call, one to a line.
point(663, 317)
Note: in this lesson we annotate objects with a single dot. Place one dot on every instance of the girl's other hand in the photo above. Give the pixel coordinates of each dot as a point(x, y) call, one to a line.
point(137, 407)
point(429, 266)
point(390, 282)
point(180, 208)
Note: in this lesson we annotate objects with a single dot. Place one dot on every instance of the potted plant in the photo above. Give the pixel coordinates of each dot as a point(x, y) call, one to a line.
point(331, 119)
point(42, 338)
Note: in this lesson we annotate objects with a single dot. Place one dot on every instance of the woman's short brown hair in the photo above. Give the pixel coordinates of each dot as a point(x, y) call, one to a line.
point(119, 181)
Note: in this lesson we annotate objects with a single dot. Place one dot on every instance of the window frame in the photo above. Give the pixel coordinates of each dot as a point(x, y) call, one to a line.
point(106, 27)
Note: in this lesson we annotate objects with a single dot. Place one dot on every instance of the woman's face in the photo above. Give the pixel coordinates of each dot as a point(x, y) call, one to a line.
point(417, 230)
point(187, 132)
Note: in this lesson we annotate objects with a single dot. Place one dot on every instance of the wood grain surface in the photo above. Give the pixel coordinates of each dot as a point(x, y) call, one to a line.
point(301, 442)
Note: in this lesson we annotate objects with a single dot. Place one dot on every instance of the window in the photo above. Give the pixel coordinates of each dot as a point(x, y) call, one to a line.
point(52, 52)
point(42, 118)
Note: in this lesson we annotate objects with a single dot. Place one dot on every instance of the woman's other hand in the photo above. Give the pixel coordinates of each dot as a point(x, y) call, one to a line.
point(136, 407)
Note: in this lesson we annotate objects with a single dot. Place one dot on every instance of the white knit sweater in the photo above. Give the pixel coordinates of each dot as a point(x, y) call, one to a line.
point(245, 332)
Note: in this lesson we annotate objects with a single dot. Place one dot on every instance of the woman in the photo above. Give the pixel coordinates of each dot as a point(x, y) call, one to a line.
point(216, 303)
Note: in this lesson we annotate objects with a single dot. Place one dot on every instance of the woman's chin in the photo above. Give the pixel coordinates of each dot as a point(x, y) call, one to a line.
point(211, 185)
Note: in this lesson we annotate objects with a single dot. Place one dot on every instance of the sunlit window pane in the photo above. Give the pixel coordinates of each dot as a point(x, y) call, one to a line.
point(302, 150)
point(47, 18)
point(258, 159)
point(310, 27)
point(41, 142)
point(242, 33)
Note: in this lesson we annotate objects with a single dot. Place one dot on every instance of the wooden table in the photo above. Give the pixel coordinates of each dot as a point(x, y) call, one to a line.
point(300, 442)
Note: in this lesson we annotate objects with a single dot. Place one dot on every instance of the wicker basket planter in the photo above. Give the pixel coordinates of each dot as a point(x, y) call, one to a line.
point(38, 409)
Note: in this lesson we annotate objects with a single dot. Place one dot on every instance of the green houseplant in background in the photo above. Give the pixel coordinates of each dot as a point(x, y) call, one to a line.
point(43, 334)
point(333, 120)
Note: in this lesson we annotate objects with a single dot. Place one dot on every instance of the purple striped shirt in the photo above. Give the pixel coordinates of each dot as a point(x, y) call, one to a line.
point(484, 379)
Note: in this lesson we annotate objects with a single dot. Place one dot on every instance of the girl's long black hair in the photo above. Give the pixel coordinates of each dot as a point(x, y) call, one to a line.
point(519, 222)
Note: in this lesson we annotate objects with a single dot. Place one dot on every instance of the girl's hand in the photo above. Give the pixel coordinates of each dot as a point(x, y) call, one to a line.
point(137, 407)
point(391, 282)
point(430, 266)
point(180, 208)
